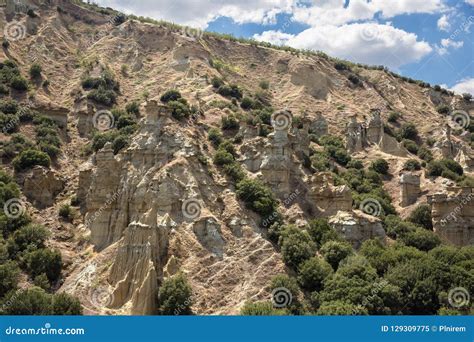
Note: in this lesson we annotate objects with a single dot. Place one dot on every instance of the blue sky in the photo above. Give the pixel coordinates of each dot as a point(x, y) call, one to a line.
point(431, 40)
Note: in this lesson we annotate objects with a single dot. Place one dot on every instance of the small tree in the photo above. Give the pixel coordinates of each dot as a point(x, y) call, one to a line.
point(296, 246)
point(35, 70)
point(380, 166)
point(29, 158)
point(335, 251)
point(175, 296)
point(412, 165)
point(408, 131)
point(47, 261)
point(422, 239)
point(312, 273)
point(422, 216)
point(170, 95)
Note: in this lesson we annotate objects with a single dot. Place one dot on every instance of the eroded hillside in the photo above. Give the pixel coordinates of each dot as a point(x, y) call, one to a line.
point(177, 152)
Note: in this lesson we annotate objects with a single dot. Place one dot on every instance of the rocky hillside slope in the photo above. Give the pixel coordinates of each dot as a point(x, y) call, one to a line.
point(155, 181)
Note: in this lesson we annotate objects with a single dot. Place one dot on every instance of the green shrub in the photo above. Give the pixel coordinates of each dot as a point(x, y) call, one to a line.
point(9, 123)
point(408, 131)
point(256, 196)
point(336, 251)
point(30, 237)
point(44, 260)
point(467, 97)
point(170, 95)
point(35, 70)
point(217, 82)
point(119, 143)
point(231, 90)
point(42, 281)
point(410, 145)
point(355, 164)
point(9, 106)
point(65, 212)
point(230, 122)
point(292, 292)
point(64, 304)
point(222, 157)
point(29, 158)
point(179, 110)
point(341, 308)
point(321, 232)
point(215, 137)
point(421, 215)
point(452, 166)
point(340, 155)
point(103, 96)
point(264, 84)
point(443, 109)
point(296, 246)
point(175, 296)
point(133, 108)
point(393, 117)
point(19, 83)
point(247, 103)
point(425, 154)
point(4, 89)
point(234, 171)
point(312, 273)
point(354, 79)
point(258, 309)
point(412, 165)
point(434, 168)
point(342, 66)
point(422, 239)
point(380, 166)
point(9, 275)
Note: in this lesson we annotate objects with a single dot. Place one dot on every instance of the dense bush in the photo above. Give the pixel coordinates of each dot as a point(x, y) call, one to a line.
point(103, 96)
point(312, 272)
point(410, 145)
point(9, 106)
point(170, 95)
point(355, 164)
point(133, 108)
point(9, 275)
point(65, 212)
point(35, 301)
point(336, 251)
point(443, 109)
point(256, 196)
point(296, 246)
point(408, 131)
point(35, 70)
point(393, 117)
point(215, 137)
point(217, 82)
point(259, 309)
point(425, 154)
point(412, 165)
point(28, 237)
point(422, 216)
point(230, 122)
point(29, 158)
point(175, 296)
point(422, 239)
point(380, 165)
point(231, 90)
point(321, 232)
point(264, 84)
point(179, 109)
point(44, 260)
point(290, 285)
point(19, 83)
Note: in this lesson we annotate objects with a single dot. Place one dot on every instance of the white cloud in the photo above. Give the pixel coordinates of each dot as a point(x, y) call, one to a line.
point(464, 86)
point(198, 13)
point(470, 2)
point(446, 44)
point(443, 23)
point(369, 43)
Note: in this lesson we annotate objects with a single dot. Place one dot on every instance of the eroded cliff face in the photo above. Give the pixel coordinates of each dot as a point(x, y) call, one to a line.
point(160, 206)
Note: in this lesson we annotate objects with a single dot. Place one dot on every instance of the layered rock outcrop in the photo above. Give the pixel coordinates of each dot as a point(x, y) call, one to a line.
point(356, 226)
point(453, 215)
point(409, 188)
point(326, 198)
point(41, 186)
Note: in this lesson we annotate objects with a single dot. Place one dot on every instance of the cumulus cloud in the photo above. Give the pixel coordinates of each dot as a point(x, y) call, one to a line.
point(445, 44)
point(198, 13)
point(443, 23)
point(470, 2)
point(369, 43)
point(464, 86)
